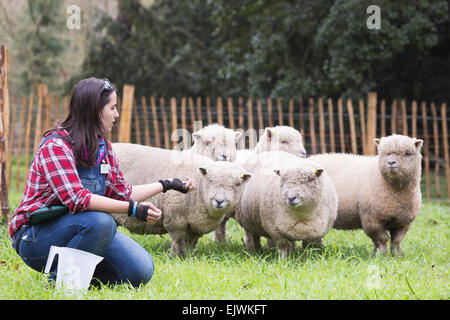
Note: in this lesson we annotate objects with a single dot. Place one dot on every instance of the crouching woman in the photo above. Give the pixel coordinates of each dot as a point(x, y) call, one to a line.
point(75, 167)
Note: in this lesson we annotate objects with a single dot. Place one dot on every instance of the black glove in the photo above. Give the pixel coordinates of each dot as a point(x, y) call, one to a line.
point(138, 210)
point(174, 184)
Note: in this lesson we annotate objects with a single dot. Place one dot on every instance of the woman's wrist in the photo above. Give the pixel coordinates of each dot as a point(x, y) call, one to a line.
point(105, 204)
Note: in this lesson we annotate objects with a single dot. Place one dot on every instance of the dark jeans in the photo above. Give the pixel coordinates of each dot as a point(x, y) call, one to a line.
point(94, 232)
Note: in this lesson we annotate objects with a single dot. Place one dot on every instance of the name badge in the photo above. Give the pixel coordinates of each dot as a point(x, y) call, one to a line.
point(104, 168)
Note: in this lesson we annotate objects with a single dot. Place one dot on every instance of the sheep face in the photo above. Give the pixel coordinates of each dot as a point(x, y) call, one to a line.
point(216, 142)
point(282, 138)
point(301, 189)
point(399, 158)
point(221, 184)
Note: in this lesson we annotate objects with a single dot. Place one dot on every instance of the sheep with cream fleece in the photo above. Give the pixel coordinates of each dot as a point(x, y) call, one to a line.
point(278, 138)
point(287, 199)
point(186, 217)
point(216, 142)
point(379, 194)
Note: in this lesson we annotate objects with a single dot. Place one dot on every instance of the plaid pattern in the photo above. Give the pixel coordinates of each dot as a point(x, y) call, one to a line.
point(53, 180)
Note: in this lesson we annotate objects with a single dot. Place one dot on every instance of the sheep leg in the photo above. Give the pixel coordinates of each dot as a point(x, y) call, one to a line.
point(284, 247)
point(312, 243)
point(379, 237)
point(220, 232)
point(380, 243)
point(192, 241)
point(178, 247)
point(270, 243)
point(397, 236)
point(252, 241)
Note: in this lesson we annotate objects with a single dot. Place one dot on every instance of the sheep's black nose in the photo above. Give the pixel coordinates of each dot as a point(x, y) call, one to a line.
point(391, 163)
point(219, 203)
point(222, 157)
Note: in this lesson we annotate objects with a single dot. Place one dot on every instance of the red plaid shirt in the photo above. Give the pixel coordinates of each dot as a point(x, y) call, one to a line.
point(53, 180)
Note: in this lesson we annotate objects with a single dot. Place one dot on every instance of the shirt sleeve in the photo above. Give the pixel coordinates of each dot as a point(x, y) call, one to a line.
point(120, 189)
point(58, 165)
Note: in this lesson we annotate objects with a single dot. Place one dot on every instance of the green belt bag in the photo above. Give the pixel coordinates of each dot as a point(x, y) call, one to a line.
point(46, 213)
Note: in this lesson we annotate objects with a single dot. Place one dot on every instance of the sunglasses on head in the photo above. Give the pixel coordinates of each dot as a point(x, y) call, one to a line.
point(107, 86)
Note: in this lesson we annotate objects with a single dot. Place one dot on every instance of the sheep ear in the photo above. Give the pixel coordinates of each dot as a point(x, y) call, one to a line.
point(418, 143)
point(377, 141)
point(203, 171)
point(246, 176)
point(269, 134)
point(277, 172)
point(237, 134)
point(318, 172)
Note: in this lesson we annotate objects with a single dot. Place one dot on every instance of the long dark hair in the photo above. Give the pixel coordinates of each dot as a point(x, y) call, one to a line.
point(83, 123)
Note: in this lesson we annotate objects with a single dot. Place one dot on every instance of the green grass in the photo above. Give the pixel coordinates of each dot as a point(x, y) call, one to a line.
point(344, 270)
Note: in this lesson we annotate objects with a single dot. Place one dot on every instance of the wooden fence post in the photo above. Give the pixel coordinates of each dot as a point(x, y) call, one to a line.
point(11, 136)
point(4, 127)
point(331, 125)
point(127, 106)
point(208, 110)
point(199, 109)
point(269, 111)
point(312, 131)
point(146, 125)
point(404, 119)
point(280, 112)
point(155, 123)
point(426, 144)
point(414, 119)
point(436, 149)
point(184, 123)
point(291, 113)
point(19, 144)
point(362, 119)
point(446, 155)
point(230, 113)
point(28, 135)
point(351, 117)
point(241, 141)
point(173, 117)
point(341, 126)
point(382, 118)
point(251, 137)
point(42, 91)
point(164, 122)
point(192, 112)
point(301, 118)
point(260, 116)
point(137, 126)
point(323, 148)
point(371, 123)
point(394, 117)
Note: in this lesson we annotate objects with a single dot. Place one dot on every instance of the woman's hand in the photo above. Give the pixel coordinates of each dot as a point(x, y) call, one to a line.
point(190, 183)
point(183, 186)
point(154, 214)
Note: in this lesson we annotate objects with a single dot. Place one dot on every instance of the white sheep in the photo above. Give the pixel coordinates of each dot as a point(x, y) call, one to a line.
point(213, 141)
point(186, 217)
point(287, 199)
point(216, 142)
point(378, 193)
point(278, 138)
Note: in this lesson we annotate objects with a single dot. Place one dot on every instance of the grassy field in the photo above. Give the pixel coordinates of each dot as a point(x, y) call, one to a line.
point(344, 270)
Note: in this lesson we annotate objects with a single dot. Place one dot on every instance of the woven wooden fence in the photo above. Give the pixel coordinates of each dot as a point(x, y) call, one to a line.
point(326, 125)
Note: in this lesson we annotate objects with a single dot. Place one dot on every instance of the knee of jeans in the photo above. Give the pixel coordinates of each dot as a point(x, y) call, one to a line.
point(143, 274)
point(102, 222)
